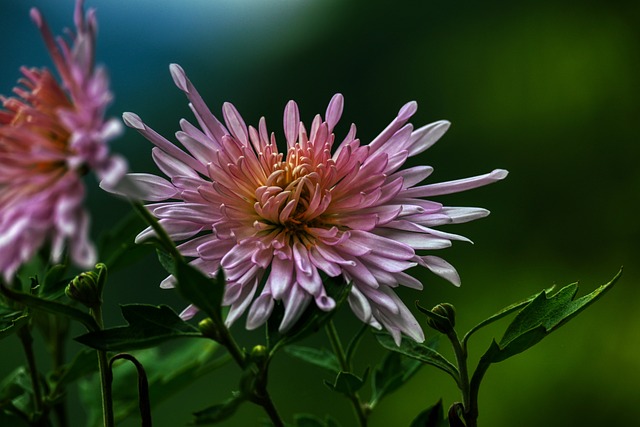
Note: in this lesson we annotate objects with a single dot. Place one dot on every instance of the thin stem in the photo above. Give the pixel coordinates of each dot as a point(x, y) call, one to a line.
point(143, 387)
point(336, 344)
point(105, 376)
point(60, 328)
point(27, 344)
point(461, 358)
point(270, 409)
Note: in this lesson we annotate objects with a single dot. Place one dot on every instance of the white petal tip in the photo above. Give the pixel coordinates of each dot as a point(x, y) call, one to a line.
point(179, 77)
point(500, 173)
point(133, 121)
point(408, 110)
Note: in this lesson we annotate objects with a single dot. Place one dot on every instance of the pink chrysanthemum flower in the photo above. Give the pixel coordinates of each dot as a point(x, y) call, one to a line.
point(274, 220)
point(51, 134)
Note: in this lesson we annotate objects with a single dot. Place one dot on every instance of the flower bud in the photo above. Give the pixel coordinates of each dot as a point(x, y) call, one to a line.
point(445, 319)
point(259, 354)
point(208, 328)
point(84, 289)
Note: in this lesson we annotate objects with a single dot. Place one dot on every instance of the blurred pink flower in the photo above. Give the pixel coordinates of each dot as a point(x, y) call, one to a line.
point(239, 203)
point(51, 134)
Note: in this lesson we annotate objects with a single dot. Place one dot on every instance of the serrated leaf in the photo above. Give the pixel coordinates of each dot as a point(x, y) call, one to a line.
point(433, 416)
point(424, 352)
point(204, 292)
point(502, 313)
point(543, 315)
point(218, 412)
point(147, 326)
point(316, 356)
point(348, 383)
point(168, 372)
point(395, 370)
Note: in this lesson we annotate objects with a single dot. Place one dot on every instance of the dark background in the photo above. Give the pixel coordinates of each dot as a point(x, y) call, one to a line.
point(548, 90)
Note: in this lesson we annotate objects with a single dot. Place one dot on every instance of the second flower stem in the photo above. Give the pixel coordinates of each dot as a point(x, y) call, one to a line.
point(105, 376)
point(336, 344)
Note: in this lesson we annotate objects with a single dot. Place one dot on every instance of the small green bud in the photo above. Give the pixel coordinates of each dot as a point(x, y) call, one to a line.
point(84, 289)
point(208, 328)
point(446, 319)
point(259, 354)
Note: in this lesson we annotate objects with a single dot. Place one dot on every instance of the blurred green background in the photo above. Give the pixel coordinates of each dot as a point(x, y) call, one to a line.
point(548, 90)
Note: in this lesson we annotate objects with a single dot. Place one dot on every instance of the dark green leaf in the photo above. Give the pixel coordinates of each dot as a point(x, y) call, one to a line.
point(16, 391)
point(54, 282)
point(396, 369)
point(204, 292)
point(502, 313)
point(348, 383)
point(11, 320)
point(148, 326)
point(316, 356)
point(423, 352)
point(51, 307)
point(433, 416)
point(219, 412)
point(84, 363)
point(543, 315)
point(166, 261)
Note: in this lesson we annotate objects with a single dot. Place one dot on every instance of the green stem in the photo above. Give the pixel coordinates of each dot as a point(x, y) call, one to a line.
point(105, 376)
point(336, 344)
point(470, 416)
point(270, 409)
point(60, 330)
point(27, 344)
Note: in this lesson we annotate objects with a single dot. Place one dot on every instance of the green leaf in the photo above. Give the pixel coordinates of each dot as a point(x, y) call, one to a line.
point(218, 412)
point(396, 369)
point(166, 261)
point(168, 372)
point(16, 392)
point(424, 352)
point(148, 326)
point(502, 313)
point(204, 292)
point(543, 315)
point(11, 320)
point(84, 363)
point(316, 356)
point(54, 282)
point(309, 420)
point(348, 383)
point(51, 307)
point(433, 416)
